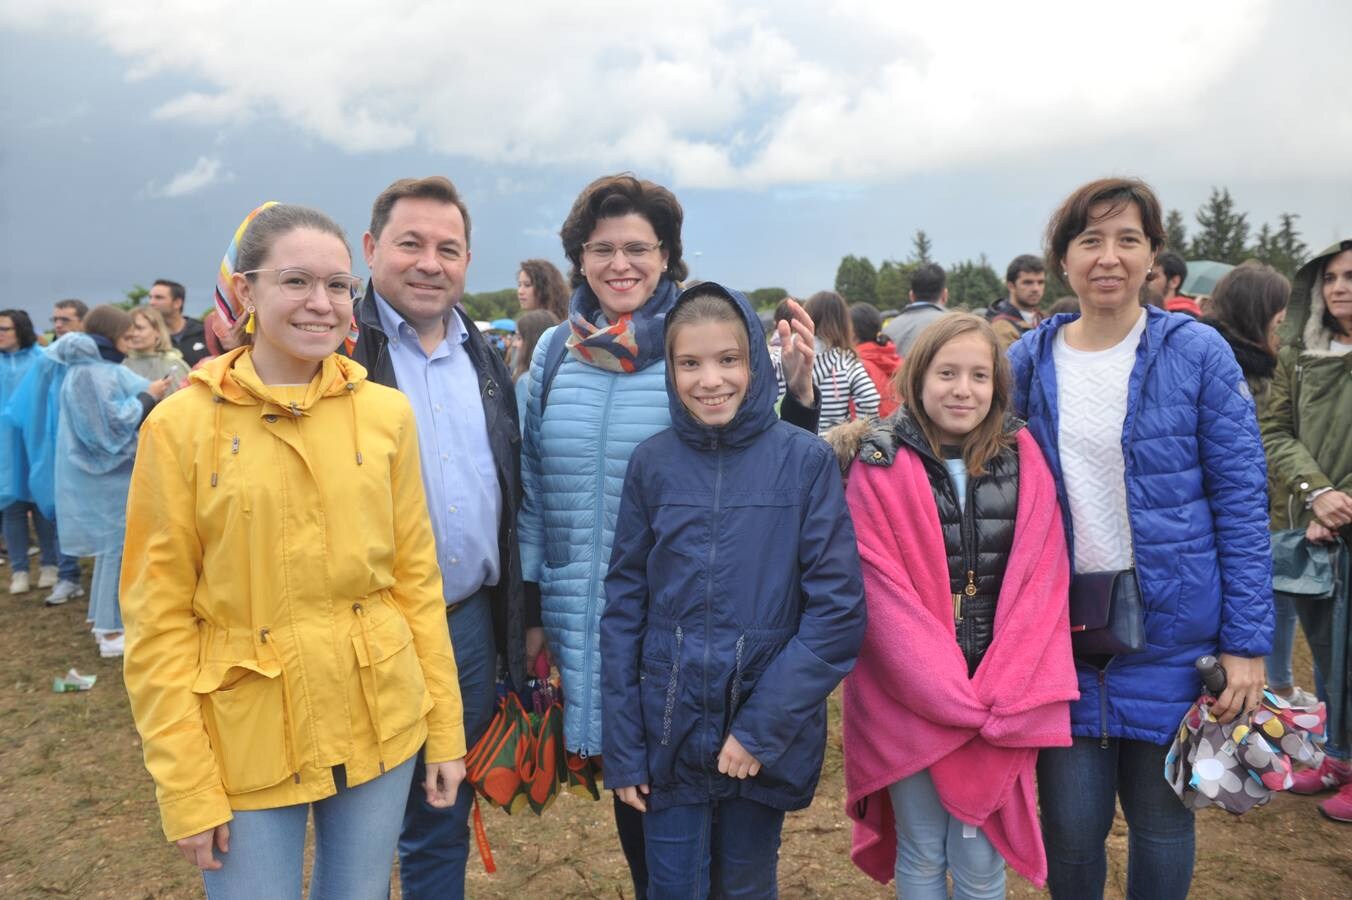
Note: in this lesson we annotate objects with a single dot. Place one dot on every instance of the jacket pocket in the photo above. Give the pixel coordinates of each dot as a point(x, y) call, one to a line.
point(392, 680)
point(244, 709)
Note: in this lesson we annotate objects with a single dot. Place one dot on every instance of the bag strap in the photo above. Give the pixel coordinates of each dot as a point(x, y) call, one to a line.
point(554, 354)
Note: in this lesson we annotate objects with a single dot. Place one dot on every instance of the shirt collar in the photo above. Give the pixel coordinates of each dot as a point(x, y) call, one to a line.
point(395, 326)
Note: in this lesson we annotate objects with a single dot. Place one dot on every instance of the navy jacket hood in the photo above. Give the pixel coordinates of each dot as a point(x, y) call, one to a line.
point(757, 412)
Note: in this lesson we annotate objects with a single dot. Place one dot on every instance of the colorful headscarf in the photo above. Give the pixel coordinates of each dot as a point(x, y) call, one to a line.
point(227, 304)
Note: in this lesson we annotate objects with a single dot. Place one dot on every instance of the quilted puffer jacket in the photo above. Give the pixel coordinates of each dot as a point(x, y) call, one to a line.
point(734, 603)
point(978, 534)
point(1196, 499)
point(573, 462)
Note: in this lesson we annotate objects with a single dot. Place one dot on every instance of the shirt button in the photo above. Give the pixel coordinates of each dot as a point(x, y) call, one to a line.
point(453, 509)
point(445, 456)
point(455, 560)
point(437, 407)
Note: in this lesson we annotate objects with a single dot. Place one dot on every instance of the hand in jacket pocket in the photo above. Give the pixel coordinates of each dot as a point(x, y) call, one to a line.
point(735, 762)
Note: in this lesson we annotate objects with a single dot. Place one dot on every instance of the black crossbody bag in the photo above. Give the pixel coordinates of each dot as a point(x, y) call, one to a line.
point(1106, 613)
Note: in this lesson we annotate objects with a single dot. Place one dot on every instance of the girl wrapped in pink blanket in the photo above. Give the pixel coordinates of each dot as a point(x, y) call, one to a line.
point(966, 667)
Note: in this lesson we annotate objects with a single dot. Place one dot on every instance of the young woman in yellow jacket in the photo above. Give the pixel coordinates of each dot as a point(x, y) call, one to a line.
point(287, 649)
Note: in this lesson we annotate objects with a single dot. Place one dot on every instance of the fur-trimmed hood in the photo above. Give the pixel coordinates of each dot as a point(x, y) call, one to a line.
point(1305, 326)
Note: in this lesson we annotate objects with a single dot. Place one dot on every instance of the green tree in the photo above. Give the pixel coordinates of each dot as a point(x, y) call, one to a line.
point(973, 284)
point(1177, 240)
point(133, 297)
point(1282, 249)
point(490, 305)
point(1224, 235)
point(921, 247)
point(857, 280)
point(766, 297)
point(894, 284)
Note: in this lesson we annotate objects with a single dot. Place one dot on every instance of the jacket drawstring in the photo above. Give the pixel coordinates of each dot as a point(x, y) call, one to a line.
point(375, 688)
point(291, 763)
point(356, 443)
point(736, 679)
point(216, 441)
point(671, 688)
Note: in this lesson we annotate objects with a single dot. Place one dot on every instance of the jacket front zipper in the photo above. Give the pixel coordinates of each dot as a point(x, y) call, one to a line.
point(708, 609)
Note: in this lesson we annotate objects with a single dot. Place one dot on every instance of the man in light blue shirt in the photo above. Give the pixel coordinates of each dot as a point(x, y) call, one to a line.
point(413, 336)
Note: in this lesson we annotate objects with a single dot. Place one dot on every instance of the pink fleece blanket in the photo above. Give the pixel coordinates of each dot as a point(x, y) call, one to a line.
point(909, 704)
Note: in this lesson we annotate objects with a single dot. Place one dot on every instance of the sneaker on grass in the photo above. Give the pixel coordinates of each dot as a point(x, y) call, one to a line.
point(64, 590)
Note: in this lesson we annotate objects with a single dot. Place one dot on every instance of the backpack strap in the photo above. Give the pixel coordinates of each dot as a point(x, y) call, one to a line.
point(554, 354)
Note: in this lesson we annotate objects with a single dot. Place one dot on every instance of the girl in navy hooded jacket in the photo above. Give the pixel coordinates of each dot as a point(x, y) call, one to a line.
point(734, 605)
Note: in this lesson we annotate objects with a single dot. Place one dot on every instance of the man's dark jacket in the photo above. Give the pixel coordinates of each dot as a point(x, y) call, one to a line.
point(504, 440)
point(191, 341)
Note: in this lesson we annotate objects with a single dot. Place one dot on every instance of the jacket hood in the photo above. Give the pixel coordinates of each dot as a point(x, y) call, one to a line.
point(757, 412)
point(1304, 326)
point(232, 377)
point(76, 348)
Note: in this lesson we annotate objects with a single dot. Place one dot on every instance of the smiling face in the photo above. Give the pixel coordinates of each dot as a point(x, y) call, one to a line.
point(141, 335)
point(1336, 284)
point(710, 369)
point(419, 261)
point(292, 336)
point(623, 283)
point(1106, 263)
point(958, 387)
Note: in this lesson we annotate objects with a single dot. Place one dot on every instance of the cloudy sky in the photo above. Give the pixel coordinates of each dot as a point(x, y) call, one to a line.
point(134, 136)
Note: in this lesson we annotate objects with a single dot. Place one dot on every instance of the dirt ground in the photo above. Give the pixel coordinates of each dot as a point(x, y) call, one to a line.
point(79, 819)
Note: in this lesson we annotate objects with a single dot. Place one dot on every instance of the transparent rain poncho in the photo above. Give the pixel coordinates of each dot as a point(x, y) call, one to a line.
point(101, 415)
point(34, 409)
point(13, 457)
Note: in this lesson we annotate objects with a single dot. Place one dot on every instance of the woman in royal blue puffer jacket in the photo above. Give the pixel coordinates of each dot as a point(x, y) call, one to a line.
point(1150, 432)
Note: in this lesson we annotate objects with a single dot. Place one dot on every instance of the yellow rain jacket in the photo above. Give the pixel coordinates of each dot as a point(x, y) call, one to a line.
point(281, 594)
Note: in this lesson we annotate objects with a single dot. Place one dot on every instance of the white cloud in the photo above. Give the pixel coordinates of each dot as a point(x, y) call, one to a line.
point(717, 94)
point(203, 172)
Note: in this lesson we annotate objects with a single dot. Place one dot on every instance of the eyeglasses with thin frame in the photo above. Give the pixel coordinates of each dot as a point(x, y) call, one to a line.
point(636, 251)
point(63, 320)
point(299, 284)
point(6, 328)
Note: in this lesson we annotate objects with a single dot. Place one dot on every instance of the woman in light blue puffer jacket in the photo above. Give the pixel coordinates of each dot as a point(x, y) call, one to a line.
point(604, 396)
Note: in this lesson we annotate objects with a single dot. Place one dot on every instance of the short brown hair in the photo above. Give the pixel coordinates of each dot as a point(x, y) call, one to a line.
point(434, 187)
point(1072, 216)
point(107, 321)
point(705, 305)
point(1247, 299)
point(985, 441)
point(619, 195)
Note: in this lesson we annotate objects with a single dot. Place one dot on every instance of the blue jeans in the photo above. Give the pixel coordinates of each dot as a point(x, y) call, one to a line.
point(355, 833)
point(434, 843)
point(104, 607)
point(1278, 662)
point(1078, 787)
point(931, 843)
point(15, 524)
point(724, 848)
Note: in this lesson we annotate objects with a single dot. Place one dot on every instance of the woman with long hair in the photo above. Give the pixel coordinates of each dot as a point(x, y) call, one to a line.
point(846, 389)
point(150, 351)
point(540, 285)
point(287, 651)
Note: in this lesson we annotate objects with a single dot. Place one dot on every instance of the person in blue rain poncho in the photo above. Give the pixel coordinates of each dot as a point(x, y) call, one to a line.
point(102, 405)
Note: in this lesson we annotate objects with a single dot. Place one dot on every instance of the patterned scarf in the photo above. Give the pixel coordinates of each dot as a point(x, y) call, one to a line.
point(228, 307)
point(630, 343)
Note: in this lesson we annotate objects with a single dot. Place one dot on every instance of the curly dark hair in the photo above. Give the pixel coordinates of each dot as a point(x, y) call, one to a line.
point(23, 327)
point(619, 195)
point(550, 291)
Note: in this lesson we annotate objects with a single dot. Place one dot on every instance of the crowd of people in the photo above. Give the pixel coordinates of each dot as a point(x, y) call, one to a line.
point(330, 520)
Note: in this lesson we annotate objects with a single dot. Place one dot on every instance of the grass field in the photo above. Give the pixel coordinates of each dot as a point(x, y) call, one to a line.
point(79, 817)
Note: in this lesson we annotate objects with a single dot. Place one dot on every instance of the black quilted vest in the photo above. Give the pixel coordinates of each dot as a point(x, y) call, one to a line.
point(977, 539)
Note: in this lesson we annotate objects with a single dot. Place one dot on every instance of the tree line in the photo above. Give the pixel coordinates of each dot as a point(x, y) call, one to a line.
point(1223, 235)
